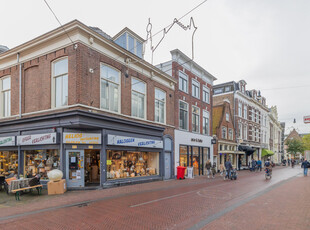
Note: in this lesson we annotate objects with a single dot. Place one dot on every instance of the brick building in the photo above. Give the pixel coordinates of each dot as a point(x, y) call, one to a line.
point(88, 104)
point(193, 110)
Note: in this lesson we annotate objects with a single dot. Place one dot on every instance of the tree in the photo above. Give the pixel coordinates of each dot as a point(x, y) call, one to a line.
point(306, 141)
point(295, 146)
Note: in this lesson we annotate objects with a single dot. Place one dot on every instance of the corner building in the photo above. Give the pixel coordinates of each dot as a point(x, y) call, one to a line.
point(193, 112)
point(89, 106)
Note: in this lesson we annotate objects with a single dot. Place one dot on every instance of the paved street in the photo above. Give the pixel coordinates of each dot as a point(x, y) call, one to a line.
point(251, 201)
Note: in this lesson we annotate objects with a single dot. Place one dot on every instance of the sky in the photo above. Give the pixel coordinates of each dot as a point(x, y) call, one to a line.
point(264, 42)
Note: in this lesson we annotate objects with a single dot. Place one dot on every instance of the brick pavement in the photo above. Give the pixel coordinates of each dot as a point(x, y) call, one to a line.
point(174, 205)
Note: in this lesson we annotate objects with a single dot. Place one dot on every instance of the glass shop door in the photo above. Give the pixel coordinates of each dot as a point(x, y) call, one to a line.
point(75, 168)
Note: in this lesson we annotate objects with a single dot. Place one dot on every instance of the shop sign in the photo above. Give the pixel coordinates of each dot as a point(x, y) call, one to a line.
point(82, 138)
point(306, 119)
point(133, 141)
point(196, 140)
point(7, 141)
point(37, 139)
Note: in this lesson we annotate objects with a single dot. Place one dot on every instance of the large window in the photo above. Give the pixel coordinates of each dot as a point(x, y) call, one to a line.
point(160, 106)
point(110, 80)
point(183, 82)
point(126, 164)
point(183, 120)
point(138, 98)
point(8, 163)
point(206, 94)
point(195, 119)
point(195, 89)
point(240, 109)
point(230, 134)
point(60, 82)
point(205, 122)
point(5, 96)
point(130, 43)
point(245, 111)
point(224, 132)
point(240, 130)
point(245, 132)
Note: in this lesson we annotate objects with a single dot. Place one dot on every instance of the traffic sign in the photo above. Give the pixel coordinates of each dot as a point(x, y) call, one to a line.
point(306, 119)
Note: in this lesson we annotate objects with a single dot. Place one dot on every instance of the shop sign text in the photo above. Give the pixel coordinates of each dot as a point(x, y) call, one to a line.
point(37, 139)
point(196, 140)
point(7, 141)
point(133, 141)
point(82, 138)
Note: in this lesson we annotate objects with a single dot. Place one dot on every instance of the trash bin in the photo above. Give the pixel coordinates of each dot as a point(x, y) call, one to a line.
point(181, 172)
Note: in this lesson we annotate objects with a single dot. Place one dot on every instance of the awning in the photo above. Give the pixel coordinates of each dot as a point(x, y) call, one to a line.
point(267, 152)
point(247, 149)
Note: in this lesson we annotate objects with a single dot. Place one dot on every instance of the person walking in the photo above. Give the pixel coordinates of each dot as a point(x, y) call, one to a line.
point(208, 167)
point(213, 169)
point(259, 164)
point(228, 167)
point(305, 165)
point(253, 165)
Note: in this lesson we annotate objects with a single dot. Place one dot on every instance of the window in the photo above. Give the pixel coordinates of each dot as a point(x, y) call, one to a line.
point(240, 130)
point(130, 43)
point(224, 132)
point(218, 91)
point(245, 132)
point(227, 88)
point(195, 89)
point(183, 82)
point(205, 122)
point(160, 106)
point(60, 82)
point(245, 112)
point(195, 119)
point(227, 116)
point(138, 98)
point(240, 109)
point(230, 134)
point(206, 94)
point(5, 96)
point(253, 115)
point(109, 93)
point(183, 120)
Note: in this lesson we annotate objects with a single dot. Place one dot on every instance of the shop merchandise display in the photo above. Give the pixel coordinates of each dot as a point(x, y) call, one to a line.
point(92, 166)
point(41, 162)
point(124, 164)
point(8, 162)
point(55, 175)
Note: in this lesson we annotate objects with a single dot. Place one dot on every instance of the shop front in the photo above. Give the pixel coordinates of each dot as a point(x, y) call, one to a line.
point(193, 150)
point(8, 156)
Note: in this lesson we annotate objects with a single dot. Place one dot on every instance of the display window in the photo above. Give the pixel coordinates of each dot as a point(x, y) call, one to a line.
point(8, 163)
point(183, 156)
point(124, 164)
point(196, 161)
point(40, 162)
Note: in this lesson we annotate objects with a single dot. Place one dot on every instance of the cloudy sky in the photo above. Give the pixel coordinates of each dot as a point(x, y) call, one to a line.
point(264, 42)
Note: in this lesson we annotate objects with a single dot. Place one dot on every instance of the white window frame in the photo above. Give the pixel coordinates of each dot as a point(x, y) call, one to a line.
point(119, 88)
point(164, 122)
point(206, 120)
point(145, 96)
point(195, 85)
point(53, 79)
point(198, 118)
point(245, 111)
point(224, 129)
point(187, 119)
point(240, 109)
point(245, 132)
point(240, 130)
point(230, 134)
point(206, 94)
point(184, 77)
point(227, 116)
point(3, 110)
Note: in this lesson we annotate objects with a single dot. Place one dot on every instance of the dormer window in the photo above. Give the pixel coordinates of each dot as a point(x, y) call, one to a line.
point(130, 43)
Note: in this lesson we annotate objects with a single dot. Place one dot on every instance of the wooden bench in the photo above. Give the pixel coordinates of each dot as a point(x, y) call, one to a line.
point(18, 191)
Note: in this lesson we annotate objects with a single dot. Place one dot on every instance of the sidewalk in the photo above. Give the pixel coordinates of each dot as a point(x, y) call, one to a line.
point(33, 202)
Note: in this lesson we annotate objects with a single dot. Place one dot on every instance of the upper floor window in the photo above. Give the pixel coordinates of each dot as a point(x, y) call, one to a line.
point(195, 119)
point(183, 82)
point(130, 43)
point(160, 106)
point(224, 132)
point(240, 109)
point(227, 116)
point(253, 115)
point(195, 89)
point(110, 88)
point(227, 88)
point(5, 96)
point(230, 134)
point(183, 113)
point(245, 132)
point(206, 94)
point(60, 82)
point(138, 98)
point(218, 90)
point(245, 111)
point(240, 130)
point(205, 122)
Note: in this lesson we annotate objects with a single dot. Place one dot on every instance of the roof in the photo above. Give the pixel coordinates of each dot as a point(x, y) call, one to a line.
point(99, 31)
point(126, 29)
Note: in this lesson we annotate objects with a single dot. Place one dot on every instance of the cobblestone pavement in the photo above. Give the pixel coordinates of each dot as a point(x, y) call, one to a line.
point(251, 201)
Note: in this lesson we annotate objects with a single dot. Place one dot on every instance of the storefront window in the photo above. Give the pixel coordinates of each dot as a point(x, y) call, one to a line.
point(8, 163)
point(124, 164)
point(205, 159)
point(196, 161)
point(183, 155)
point(40, 162)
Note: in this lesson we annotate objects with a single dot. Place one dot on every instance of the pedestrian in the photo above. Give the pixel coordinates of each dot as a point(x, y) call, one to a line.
point(259, 164)
point(228, 168)
point(239, 164)
point(222, 169)
point(253, 165)
point(213, 169)
point(305, 164)
point(208, 167)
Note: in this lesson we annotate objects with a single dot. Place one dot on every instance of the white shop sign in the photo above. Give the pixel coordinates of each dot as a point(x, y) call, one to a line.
point(37, 139)
point(7, 141)
point(134, 142)
point(82, 138)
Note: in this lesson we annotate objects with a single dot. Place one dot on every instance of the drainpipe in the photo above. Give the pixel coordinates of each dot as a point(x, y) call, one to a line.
point(20, 86)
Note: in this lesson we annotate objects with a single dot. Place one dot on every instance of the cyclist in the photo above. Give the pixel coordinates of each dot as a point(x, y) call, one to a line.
point(268, 166)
